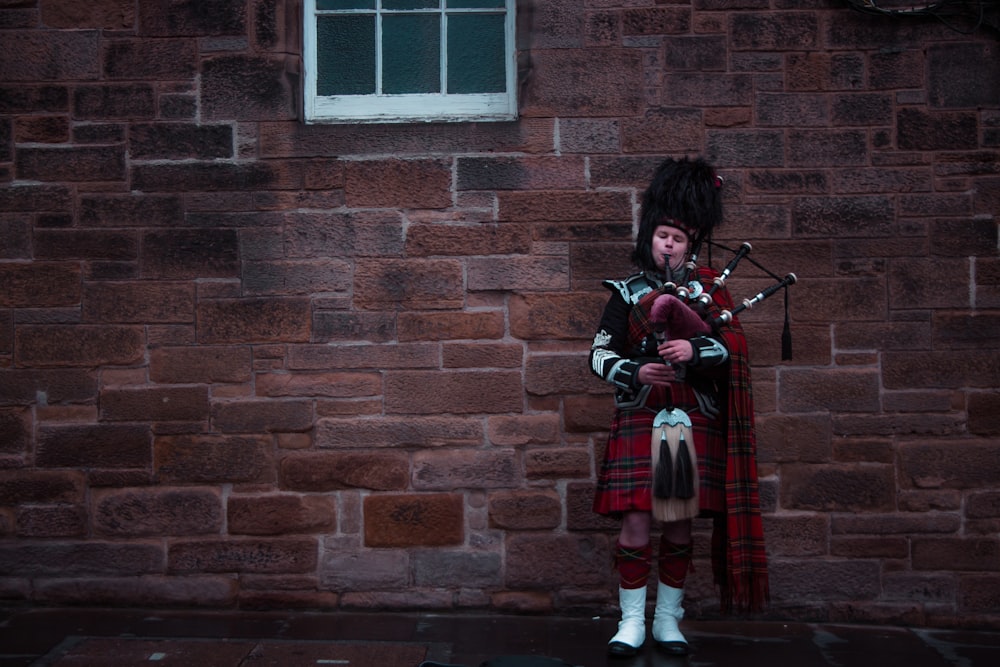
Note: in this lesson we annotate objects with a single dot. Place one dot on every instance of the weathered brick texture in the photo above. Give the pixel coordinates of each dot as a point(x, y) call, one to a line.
point(252, 362)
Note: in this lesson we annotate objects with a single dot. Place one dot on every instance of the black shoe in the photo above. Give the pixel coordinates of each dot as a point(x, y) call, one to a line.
point(674, 648)
point(621, 650)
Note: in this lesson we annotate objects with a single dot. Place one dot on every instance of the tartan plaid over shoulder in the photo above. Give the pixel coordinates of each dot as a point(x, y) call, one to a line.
point(739, 560)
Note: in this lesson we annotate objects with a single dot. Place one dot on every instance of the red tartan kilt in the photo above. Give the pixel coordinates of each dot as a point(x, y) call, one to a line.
point(625, 480)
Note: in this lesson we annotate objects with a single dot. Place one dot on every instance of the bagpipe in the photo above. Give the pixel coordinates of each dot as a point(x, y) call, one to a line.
point(682, 311)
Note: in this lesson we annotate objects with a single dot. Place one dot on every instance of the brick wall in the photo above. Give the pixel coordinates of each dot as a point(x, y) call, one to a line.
point(246, 362)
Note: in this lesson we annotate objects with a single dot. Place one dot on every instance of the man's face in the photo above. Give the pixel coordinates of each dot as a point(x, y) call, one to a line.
point(670, 241)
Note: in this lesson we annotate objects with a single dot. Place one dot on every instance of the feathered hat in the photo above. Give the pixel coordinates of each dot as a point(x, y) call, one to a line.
point(683, 193)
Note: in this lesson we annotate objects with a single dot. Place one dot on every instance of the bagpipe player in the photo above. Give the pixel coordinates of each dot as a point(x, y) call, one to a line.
point(681, 443)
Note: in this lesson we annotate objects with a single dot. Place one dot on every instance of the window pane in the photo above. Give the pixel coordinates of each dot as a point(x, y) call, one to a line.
point(467, 4)
point(411, 53)
point(410, 4)
point(476, 53)
point(345, 65)
point(344, 4)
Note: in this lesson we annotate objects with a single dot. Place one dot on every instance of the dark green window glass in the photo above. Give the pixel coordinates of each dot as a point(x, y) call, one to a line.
point(344, 4)
point(345, 63)
point(475, 4)
point(476, 53)
point(410, 4)
point(411, 53)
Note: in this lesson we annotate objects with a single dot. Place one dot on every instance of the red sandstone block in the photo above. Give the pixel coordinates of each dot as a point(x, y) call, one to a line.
point(210, 458)
point(747, 148)
point(481, 355)
point(28, 487)
point(353, 357)
point(792, 110)
point(443, 568)
point(296, 277)
point(133, 210)
point(586, 414)
point(687, 134)
point(892, 335)
point(160, 511)
point(547, 374)
point(942, 370)
point(200, 365)
point(773, 31)
point(211, 177)
point(139, 302)
point(459, 469)
point(525, 510)
point(414, 520)
point(281, 514)
point(540, 316)
point(613, 83)
point(978, 594)
point(534, 560)
point(51, 55)
point(39, 521)
point(343, 326)
point(467, 239)
point(77, 559)
point(333, 234)
point(918, 129)
point(16, 431)
point(885, 548)
point(190, 253)
point(395, 183)
point(455, 392)
point(142, 591)
point(281, 555)
point(155, 404)
point(43, 130)
point(841, 390)
point(561, 206)
point(411, 284)
point(513, 430)
point(107, 14)
point(843, 488)
point(154, 60)
point(390, 431)
point(93, 446)
point(797, 536)
point(257, 320)
point(479, 325)
point(949, 463)
point(981, 554)
point(180, 141)
point(262, 416)
point(333, 385)
point(518, 273)
point(802, 581)
point(557, 463)
point(24, 387)
point(247, 87)
point(321, 472)
point(132, 101)
point(521, 173)
point(579, 510)
point(39, 284)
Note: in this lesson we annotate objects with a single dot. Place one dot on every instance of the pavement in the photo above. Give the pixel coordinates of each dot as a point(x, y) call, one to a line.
point(43, 637)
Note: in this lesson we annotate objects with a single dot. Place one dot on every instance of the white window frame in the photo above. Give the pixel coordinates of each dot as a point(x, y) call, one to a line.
point(382, 108)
